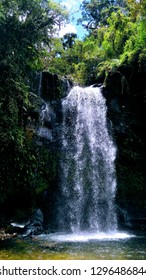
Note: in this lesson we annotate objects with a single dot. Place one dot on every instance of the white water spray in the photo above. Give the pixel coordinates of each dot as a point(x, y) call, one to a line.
point(87, 176)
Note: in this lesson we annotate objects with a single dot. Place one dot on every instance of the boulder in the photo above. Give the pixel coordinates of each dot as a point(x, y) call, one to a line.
point(35, 225)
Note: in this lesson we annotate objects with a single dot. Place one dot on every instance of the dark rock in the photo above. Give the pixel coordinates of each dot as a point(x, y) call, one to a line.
point(15, 228)
point(37, 217)
point(35, 225)
point(53, 87)
point(125, 99)
point(123, 219)
point(138, 223)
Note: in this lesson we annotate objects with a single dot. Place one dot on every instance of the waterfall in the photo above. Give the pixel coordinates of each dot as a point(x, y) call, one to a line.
point(87, 170)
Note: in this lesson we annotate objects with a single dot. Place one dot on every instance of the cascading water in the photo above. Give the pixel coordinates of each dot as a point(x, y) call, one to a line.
point(87, 171)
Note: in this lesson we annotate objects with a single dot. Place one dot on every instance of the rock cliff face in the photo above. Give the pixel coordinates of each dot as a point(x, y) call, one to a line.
point(51, 90)
point(53, 87)
point(125, 93)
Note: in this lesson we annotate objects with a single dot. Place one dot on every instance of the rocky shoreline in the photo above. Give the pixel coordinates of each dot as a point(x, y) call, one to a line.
point(6, 236)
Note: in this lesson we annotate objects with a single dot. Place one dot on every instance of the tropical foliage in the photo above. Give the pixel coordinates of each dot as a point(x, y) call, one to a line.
point(115, 43)
point(116, 32)
point(26, 32)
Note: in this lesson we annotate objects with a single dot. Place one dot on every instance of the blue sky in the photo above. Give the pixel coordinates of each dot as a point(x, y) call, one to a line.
point(73, 6)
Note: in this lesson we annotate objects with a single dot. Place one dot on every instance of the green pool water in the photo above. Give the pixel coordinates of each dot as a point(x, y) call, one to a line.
point(58, 247)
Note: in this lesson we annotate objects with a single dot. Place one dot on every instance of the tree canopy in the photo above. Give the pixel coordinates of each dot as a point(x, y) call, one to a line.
point(116, 30)
point(96, 12)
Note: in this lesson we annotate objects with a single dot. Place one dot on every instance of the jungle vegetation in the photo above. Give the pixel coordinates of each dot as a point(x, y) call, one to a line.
point(116, 39)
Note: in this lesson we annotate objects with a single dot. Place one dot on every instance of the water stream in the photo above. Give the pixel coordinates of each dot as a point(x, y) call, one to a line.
point(87, 177)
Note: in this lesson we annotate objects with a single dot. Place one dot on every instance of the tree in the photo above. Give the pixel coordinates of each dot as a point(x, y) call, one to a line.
point(68, 40)
point(96, 12)
point(26, 29)
point(118, 32)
